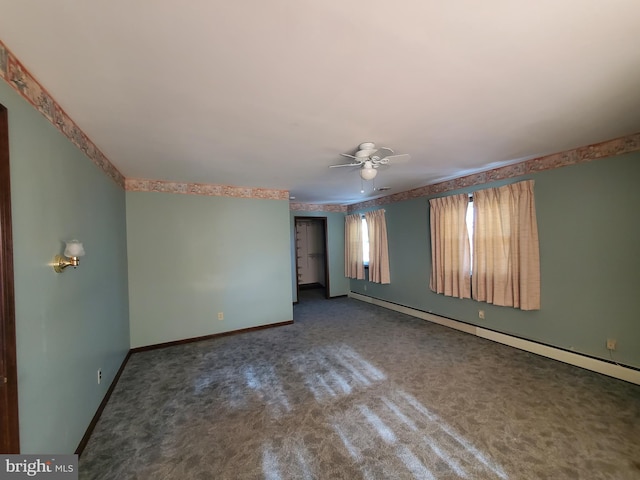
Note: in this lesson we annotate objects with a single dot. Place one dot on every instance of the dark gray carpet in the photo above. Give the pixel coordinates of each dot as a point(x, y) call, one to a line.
point(355, 391)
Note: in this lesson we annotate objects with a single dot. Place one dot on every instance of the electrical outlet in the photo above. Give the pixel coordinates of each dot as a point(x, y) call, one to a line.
point(220, 315)
point(611, 344)
point(481, 314)
point(99, 376)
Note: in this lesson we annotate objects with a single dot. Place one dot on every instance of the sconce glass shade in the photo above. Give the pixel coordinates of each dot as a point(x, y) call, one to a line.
point(72, 253)
point(368, 172)
point(74, 249)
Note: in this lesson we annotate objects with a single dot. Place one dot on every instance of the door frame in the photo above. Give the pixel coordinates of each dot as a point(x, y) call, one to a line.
point(10, 431)
point(323, 221)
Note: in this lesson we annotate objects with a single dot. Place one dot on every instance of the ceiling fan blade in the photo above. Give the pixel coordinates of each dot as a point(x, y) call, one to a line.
point(349, 156)
point(346, 165)
point(380, 154)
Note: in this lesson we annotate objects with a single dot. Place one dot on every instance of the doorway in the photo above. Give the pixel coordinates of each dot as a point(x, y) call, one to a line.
point(312, 267)
point(9, 433)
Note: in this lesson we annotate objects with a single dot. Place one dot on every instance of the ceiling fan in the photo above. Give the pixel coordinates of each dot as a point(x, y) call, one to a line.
point(369, 158)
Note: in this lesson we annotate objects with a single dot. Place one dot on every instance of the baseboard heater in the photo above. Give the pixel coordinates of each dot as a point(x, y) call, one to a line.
point(583, 361)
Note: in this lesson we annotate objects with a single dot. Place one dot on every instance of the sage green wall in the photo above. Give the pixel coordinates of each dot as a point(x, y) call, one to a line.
point(338, 283)
point(191, 257)
point(590, 265)
point(70, 324)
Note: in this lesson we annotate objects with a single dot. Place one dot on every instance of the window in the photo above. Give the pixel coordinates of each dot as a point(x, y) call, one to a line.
point(353, 264)
point(496, 238)
point(469, 221)
point(365, 242)
point(379, 271)
point(450, 251)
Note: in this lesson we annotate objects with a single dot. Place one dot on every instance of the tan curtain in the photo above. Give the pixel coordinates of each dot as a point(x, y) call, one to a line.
point(378, 247)
point(506, 258)
point(353, 264)
point(450, 250)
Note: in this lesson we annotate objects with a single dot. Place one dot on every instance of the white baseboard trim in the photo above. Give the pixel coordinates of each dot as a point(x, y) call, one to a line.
point(588, 363)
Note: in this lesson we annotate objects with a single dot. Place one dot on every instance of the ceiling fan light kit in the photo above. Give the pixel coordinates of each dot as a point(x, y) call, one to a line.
point(368, 172)
point(369, 158)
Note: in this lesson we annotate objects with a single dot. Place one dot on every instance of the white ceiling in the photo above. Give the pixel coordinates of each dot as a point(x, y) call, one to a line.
point(268, 93)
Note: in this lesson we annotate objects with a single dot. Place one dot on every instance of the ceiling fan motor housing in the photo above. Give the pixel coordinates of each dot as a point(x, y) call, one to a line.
point(369, 158)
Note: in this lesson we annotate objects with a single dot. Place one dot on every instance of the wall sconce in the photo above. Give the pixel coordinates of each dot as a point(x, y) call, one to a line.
point(73, 252)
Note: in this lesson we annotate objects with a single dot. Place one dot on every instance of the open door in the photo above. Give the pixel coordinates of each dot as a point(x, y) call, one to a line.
point(9, 429)
point(312, 265)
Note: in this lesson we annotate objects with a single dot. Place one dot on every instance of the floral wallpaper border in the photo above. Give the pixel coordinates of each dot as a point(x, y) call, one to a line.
point(14, 73)
point(308, 207)
point(18, 77)
point(610, 148)
point(205, 189)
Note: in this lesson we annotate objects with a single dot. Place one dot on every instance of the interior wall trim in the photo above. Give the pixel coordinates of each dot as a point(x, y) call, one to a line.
point(597, 151)
point(204, 189)
point(9, 416)
point(589, 363)
point(21, 80)
point(156, 346)
point(309, 207)
point(25, 84)
point(94, 421)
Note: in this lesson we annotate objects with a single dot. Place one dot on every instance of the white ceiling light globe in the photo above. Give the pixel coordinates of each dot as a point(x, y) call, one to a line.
point(368, 173)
